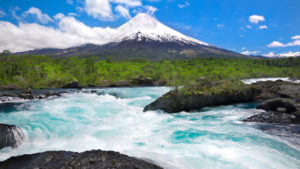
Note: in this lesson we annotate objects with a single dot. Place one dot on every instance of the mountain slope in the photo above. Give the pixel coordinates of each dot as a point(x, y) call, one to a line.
point(143, 37)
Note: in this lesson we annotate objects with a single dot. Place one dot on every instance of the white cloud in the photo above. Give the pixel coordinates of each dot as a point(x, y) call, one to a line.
point(296, 37)
point(99, 9)
point(70, 32)
point(276, 44)
point(130, 3)
point(124, 12)
point(289, 54)
point(244, 48)
point(263, 27)
point(250, 52)
point(283, 55)
point(102, 9)
point(296, 42)
point(43, 18)
point(72, 14)
point(186, 4)
point(150, 10)
point(70, 2)
point(220, 26)
point(2, 14)
point(249, 26)
point(256, 19)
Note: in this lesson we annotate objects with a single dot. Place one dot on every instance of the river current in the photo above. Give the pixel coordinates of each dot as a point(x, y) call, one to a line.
point(113, 119)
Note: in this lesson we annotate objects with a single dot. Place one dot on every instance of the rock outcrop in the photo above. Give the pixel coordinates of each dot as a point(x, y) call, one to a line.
point(279, 99)
point(278, 105)
point(274, 117)
point(10, 136)
point(278, 89)
point(95, 159)
point(72, 85)
point(194, 99)
point(278, 110)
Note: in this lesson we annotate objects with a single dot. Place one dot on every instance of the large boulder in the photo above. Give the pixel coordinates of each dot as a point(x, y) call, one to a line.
point(10, 136)
point(278, 105)
point(191, 99)
point(95, 159)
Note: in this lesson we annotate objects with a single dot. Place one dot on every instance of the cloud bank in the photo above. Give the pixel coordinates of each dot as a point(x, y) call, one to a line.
point(102, 9)
point(69, 32)
point(295, 42)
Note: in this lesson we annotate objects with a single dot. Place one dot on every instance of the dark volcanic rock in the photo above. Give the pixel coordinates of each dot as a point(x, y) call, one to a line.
point(143, 81)
point(72, 85)
point(95, 159)
point(173, 101)
point(10, 136)
point(278, 89)
point(48, 94)
point(280, 101)
point(26, 94)
point(274, 117)
point(276, 104)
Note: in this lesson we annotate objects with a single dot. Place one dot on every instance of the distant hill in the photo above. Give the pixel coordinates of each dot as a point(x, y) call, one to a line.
point(143, 37)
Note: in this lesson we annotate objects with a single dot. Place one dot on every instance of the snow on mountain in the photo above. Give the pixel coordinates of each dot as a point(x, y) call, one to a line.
point(145, 26)
point(142, 36)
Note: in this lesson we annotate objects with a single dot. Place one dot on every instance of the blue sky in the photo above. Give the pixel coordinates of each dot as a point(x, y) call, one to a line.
point(250, 26)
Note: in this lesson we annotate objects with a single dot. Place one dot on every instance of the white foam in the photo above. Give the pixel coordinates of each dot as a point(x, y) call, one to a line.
point(251, 81)
point(212, 138)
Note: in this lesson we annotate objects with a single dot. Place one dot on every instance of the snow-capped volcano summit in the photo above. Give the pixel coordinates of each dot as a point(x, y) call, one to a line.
point(146, 26)
point(141, 37)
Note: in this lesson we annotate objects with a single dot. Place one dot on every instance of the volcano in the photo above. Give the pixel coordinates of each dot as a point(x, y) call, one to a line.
point(142, 37)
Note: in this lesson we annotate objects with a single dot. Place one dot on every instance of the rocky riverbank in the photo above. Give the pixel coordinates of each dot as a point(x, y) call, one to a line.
point(95, 159)
point(280, 99)
point(10, 136)
point(205, 94)
point(75, 84)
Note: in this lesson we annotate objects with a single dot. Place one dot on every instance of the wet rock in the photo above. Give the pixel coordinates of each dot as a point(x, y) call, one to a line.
point(281, 110)
point(72, 85)
point(26, 96)
point(174, 101)
point(10, 136)
point(278, 89)
point(9, 95)
point(278, 104)
point(274, 117)
point(94, 91)
point(91, 85)
point(95, 159)
point(48, 94)
point(143, 81)
point(28, 91)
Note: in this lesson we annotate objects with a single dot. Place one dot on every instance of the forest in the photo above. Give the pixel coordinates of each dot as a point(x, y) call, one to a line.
point(28, 71)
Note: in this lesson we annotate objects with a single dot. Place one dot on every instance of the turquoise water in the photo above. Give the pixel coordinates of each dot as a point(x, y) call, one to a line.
point(113, 119)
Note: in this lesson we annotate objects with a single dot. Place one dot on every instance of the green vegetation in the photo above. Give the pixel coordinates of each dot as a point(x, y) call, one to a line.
point(46, 72)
